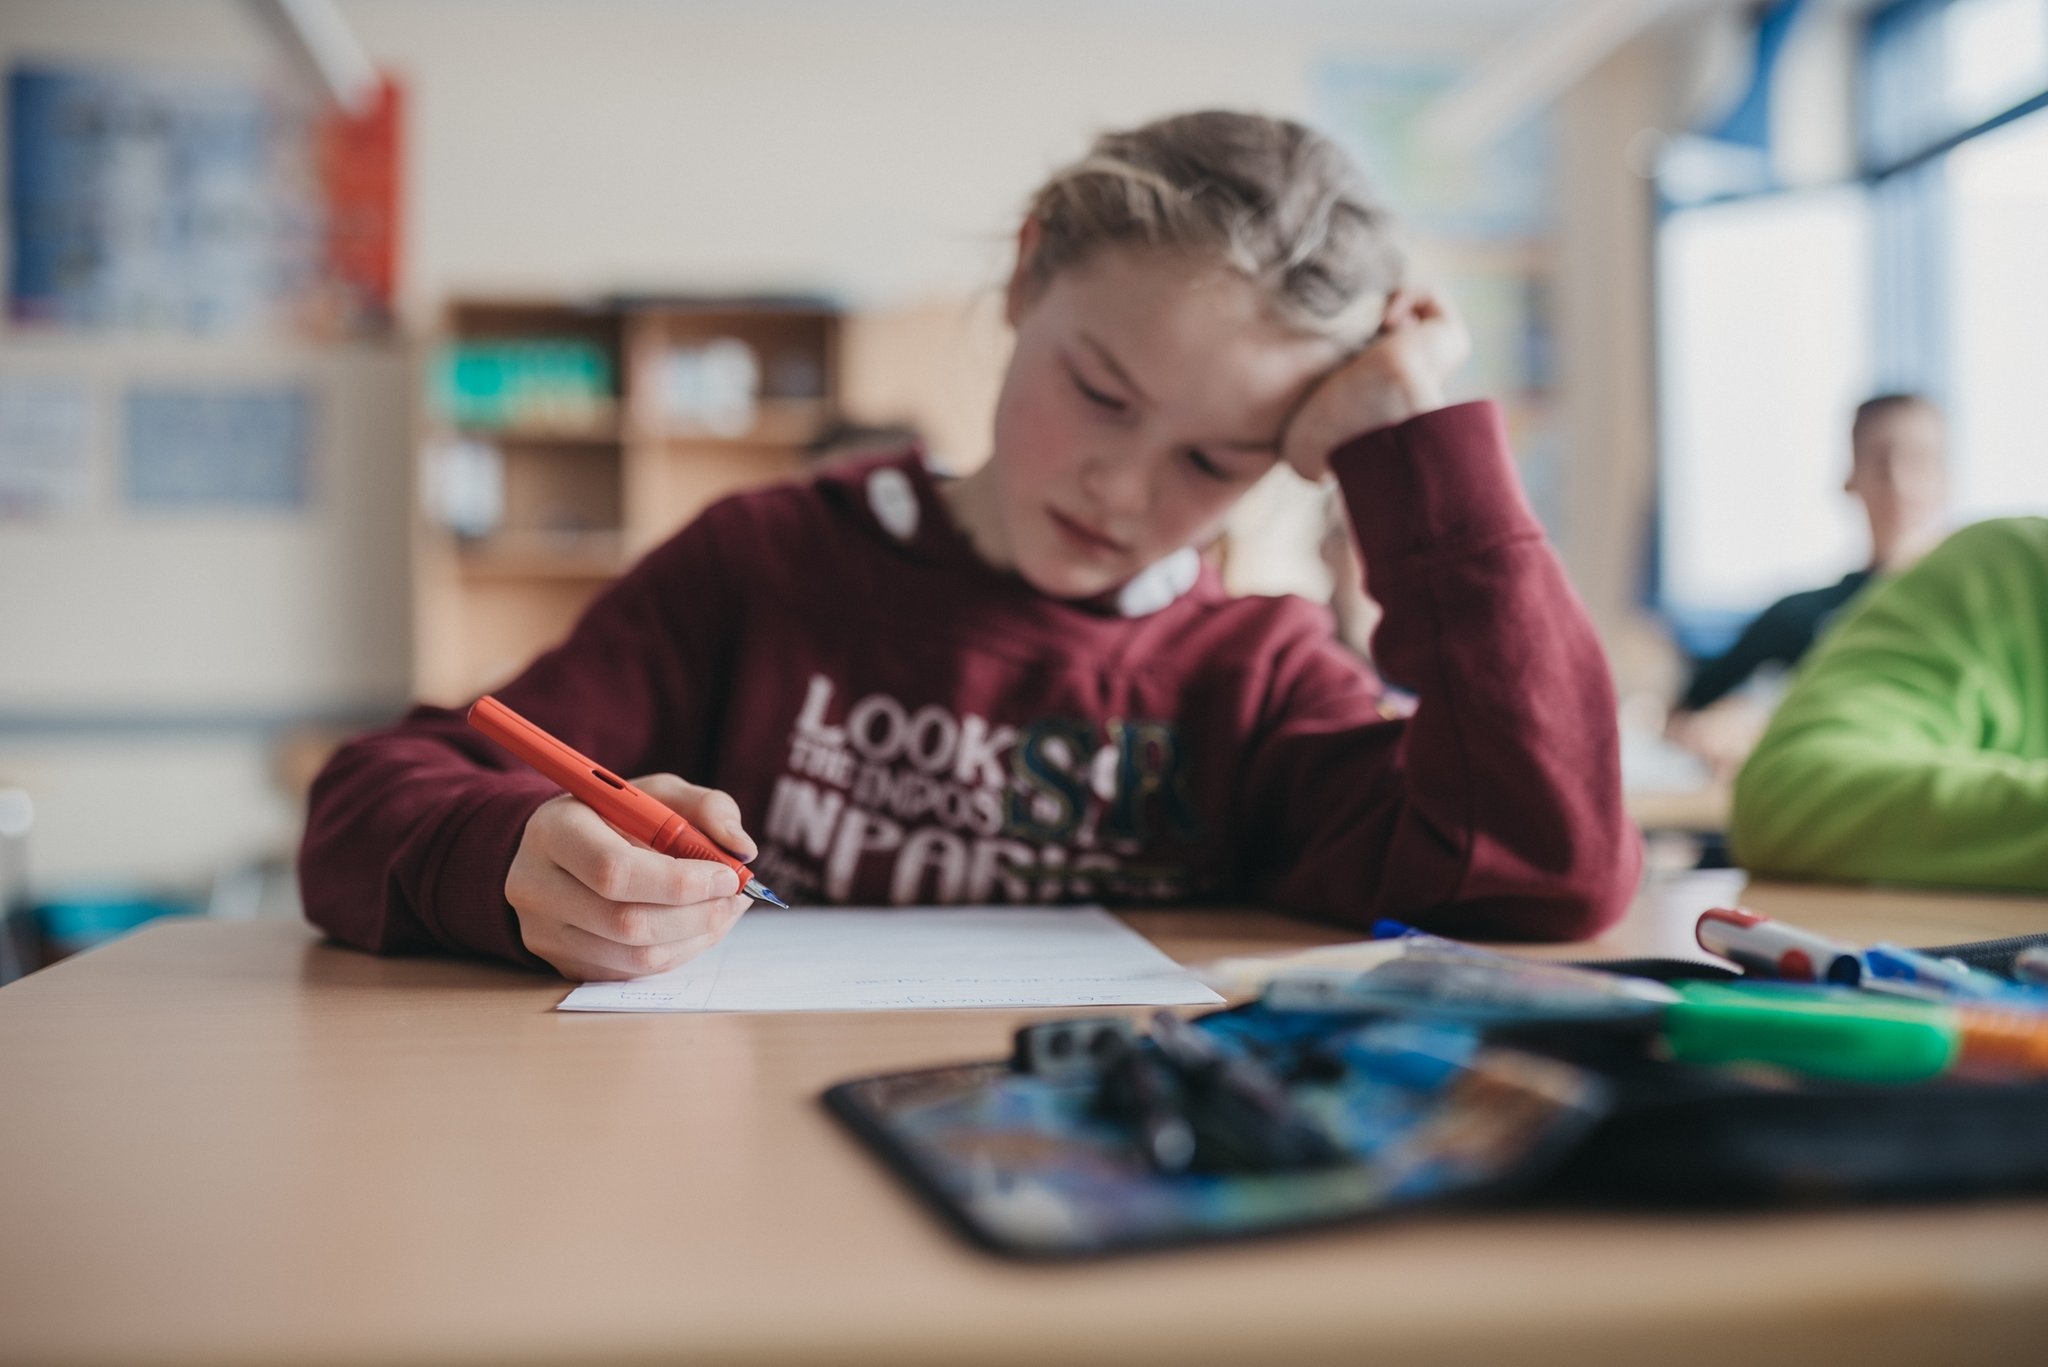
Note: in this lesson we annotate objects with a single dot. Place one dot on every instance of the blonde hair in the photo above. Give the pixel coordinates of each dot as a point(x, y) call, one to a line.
point(1269, 198)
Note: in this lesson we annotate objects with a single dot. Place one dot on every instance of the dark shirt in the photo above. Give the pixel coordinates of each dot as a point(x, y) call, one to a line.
point(1780, 635)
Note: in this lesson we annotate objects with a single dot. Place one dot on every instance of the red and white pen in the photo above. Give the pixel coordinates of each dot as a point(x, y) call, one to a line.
point(626, 809)
point(1776, 950)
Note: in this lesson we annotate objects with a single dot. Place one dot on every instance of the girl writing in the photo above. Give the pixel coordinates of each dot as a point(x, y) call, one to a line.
point(1023, 684)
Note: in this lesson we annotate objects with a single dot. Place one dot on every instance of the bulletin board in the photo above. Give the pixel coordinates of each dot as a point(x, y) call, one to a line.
point(204, 410)
point(203, 206)
point(210, 532)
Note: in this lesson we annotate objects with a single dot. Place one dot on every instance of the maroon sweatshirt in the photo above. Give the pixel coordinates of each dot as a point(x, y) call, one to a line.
point(902, 723)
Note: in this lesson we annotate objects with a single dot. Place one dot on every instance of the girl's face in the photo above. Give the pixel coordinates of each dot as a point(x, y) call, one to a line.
point(1146, 394)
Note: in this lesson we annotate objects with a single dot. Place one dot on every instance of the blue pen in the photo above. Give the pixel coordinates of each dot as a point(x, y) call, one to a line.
point(1909, 973)
point(1420, 941)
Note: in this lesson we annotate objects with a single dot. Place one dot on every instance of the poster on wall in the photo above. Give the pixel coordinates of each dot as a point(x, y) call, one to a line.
point(146, 202)
point(45, 443)
point(209, 449)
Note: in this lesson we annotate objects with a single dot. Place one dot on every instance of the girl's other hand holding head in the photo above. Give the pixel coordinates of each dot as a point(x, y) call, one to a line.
point(1400, 373)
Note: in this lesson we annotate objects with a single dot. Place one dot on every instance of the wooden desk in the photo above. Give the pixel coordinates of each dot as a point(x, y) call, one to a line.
point(230, 1143)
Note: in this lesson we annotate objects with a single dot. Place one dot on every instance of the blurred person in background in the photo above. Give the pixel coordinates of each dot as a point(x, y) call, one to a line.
point(1899, 470)
point(1913, 747)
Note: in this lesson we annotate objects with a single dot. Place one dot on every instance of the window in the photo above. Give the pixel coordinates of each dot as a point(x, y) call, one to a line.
point(1994, 55)
point(1780, 309)
point(1997, 288)
point(1764, 351)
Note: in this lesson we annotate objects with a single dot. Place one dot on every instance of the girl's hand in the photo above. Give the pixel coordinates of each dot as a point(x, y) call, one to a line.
point(599, 907)
point(1398, 374)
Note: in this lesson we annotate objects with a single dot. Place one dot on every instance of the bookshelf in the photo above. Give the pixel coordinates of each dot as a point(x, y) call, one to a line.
point(559, 441)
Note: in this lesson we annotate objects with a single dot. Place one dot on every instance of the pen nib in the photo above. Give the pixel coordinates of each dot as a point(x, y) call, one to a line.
point(758, 890)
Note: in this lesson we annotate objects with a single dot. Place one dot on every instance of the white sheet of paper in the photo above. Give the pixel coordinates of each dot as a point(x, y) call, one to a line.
point(912, 958)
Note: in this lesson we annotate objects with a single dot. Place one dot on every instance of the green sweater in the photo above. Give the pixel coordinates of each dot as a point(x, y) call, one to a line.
point(1913, 747)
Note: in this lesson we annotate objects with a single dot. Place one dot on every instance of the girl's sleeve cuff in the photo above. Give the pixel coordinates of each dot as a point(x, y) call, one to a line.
point(467, 907)
point(1439, 485)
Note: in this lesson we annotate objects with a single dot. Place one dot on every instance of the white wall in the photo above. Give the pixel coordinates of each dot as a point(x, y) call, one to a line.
point(108, 610)
point(144, 658)
point(879, 149)
point(163, 809)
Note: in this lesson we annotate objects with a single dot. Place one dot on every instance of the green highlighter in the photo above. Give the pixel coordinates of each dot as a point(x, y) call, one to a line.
point(1821, 1033)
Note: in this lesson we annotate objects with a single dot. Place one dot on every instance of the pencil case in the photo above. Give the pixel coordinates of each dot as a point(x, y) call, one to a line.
point(1684, 1137)
point(1430, 1116)
point(1029, 1164)
point(1993, 956)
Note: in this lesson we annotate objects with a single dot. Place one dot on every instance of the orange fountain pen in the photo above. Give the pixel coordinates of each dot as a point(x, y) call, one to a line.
point(626, 809)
